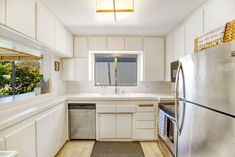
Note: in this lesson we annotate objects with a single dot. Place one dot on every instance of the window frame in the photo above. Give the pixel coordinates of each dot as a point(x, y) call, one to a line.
point(140, 65)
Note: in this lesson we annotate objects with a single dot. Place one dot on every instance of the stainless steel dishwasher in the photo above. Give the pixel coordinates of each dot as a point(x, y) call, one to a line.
point(82, 123)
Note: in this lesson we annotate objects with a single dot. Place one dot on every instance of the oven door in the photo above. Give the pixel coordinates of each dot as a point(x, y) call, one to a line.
point(170, 134)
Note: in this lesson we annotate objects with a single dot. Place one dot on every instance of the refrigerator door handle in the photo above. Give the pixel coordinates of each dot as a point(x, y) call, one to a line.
point(177, 98)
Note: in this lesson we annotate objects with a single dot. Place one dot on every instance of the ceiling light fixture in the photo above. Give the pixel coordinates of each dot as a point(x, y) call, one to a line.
point(114, 6)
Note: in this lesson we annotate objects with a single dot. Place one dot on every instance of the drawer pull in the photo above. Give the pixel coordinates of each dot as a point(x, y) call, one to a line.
point(146, 105)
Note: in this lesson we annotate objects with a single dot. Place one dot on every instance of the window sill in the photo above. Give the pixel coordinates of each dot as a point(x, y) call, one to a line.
point(16, 97)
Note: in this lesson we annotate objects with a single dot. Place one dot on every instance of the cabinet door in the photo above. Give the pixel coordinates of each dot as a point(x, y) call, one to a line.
point(179, 43)
point(115, 43)
point(68, 69)
point(124, 125)
point(169, 56)
point(153, 59)
point(97, 43)
point(217, 13)
point(80, 47)
point(61, 36)
point(107, 125)
point(45, 135)
point(23, 140)
point(133, 43)
point(69, 45)
point(81, 69)
point(2, 11)
point(45, 25)
point(20, 15)
point(60, 127)
point(193, 29)
point(2, 144)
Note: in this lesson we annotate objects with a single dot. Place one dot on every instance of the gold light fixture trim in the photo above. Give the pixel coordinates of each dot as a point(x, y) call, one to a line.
point(114, 6)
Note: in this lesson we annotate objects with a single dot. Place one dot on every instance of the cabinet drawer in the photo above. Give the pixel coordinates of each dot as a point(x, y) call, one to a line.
point(126, 109)
point(145, 134)
point(106, 109)
point(146, 108)
point(145, 124)
point(145, 116)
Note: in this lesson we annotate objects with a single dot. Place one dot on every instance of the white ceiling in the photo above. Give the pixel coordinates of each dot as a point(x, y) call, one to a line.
point(151, 17)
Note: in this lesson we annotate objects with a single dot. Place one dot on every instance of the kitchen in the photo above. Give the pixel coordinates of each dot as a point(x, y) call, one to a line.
point(117, 78)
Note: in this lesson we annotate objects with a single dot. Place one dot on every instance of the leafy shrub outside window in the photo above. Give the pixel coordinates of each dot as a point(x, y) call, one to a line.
point(18, 77)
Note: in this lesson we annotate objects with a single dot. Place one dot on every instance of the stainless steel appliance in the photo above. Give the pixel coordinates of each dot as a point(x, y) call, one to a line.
point(82, 121)
point(174, 67)
point(205, 103)
point(168, 134)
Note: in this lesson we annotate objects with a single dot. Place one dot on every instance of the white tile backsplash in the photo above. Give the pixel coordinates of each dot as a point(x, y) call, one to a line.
point(143, 87)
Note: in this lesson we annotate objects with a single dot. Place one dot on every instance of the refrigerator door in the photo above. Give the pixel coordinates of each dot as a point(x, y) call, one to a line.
point(205, 133)
point(209, 79)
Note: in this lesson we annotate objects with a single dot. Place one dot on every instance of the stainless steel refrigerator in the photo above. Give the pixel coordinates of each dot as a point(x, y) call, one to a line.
point(205, 103)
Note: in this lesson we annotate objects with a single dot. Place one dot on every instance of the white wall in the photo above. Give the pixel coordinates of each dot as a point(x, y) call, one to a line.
point(56, 85)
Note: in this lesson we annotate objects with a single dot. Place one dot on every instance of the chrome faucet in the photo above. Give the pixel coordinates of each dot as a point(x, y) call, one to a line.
point(117, 90)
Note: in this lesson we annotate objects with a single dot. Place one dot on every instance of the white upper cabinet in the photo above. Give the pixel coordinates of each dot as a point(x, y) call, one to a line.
point(23, 140)
point(97, 43)
point(115, 43)
point(69, 45)
point(20, 16)
point(193, 29)
point(169, 56)
point(45, 25)
point(154, 59)
point(2, 144)
point(80, 47)
point(2, 11)
point(75, 69)
point(133, 43)
point(81, 69)
point(61, 36)
point(179, 43)
point(217, 13)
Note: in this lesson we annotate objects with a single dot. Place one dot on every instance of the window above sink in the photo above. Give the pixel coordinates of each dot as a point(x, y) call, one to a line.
point(116, 68)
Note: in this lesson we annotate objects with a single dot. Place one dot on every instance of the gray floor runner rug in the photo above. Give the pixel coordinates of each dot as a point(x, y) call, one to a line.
point(117, 149)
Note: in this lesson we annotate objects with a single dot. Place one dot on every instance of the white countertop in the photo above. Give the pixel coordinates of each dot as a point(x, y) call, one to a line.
point(10, 115)
point(127, 96)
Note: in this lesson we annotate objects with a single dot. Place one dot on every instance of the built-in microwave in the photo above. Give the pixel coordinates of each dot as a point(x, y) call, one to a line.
point(174, 67)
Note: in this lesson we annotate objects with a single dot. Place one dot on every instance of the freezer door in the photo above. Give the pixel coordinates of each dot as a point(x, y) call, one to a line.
point(209, 79)
point(205, 133)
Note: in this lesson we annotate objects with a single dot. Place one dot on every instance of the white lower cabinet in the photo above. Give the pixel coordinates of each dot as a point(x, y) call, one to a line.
point(107, 125)
point(23, 140)
point(45, 132)
point(2, 144)
point(145, 122)
point(124, 125)
point(115, 126)
point(51, 132)
point(60, 124)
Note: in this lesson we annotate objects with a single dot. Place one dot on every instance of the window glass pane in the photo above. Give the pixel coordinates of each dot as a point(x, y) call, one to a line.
point(126, 66)
point(27, 75)
point(5, 78)
point(104, 71)
point(19, 79)
point(127, 71)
